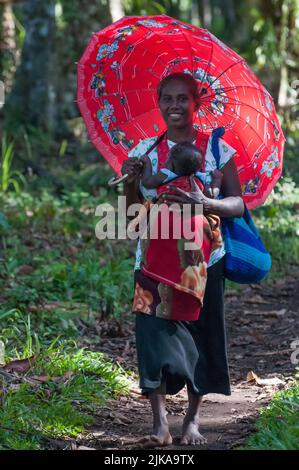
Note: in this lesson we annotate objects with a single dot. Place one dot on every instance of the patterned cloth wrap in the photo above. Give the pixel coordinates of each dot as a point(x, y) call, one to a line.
point(179, 260)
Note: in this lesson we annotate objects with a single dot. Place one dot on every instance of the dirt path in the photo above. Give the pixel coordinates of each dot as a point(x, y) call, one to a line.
point(261, 325)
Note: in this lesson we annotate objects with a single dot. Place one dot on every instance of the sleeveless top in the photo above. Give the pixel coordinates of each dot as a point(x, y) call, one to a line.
point(226, 153)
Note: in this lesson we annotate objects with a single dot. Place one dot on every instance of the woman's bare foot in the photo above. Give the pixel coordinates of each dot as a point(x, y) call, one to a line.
point(161, 437)
point(190, 433)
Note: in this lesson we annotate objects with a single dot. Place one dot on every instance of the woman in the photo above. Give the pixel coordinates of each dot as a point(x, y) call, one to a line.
point(174, 353)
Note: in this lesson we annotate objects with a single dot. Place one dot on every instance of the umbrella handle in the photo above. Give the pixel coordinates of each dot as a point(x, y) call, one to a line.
point(117, 179)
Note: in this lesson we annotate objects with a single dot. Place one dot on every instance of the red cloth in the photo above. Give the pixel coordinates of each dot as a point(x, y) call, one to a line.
point(170, 260)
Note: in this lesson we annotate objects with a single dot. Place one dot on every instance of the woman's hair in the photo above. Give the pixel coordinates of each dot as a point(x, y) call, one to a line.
point(183, 77)
point(186, 157)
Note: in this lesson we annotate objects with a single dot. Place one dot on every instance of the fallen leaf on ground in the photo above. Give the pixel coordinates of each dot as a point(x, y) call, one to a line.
point(120, 419)
point(85, 448)
point(252, 377)
point(256, 299)
point(272, 381)
point(25, 270)
point(40, 378)
point(20, 365)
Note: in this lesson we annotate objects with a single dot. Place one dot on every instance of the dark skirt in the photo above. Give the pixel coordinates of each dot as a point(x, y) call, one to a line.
point(172, 354)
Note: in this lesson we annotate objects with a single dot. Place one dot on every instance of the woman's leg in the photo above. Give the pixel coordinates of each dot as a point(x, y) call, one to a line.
point(190, 433)
point(161, 435)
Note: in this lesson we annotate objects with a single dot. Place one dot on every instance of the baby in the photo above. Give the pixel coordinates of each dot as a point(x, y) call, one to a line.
point(184, 159)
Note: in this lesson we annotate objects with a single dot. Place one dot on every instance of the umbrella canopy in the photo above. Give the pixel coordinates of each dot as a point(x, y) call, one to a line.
point(120, 70)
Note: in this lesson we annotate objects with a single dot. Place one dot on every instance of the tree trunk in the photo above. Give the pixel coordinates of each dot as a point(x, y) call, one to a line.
point(205, 11)
point(32, 100)
point(283, 87)
point(8, 50)
point(73, 36)
point(117, 10)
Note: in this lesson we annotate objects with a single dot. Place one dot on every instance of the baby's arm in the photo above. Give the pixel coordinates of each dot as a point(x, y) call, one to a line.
point(149, 180)
point(212, 189)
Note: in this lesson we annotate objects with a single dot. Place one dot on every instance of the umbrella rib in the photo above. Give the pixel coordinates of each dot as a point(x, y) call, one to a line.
point(230, 130)
point(200, 122)
point(249, 125)
point(242, 119)
point(109, 40)
point(210, 122)
point(169, 44)
point(260, 195)
point(139, 45)
point(241, 103)
point(248, 105)
point(236, 135)
point(232, 88)
point(191, 53)
point(210, 59)
point(224, 71)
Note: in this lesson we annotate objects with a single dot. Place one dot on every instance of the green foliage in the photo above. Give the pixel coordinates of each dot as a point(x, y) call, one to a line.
point(278, 223)
point(73, 384)
point(278, 426)
point(64, 385)
point(8, 177)
point(144, 7)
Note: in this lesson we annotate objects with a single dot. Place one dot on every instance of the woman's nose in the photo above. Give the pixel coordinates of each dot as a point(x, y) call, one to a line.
point(174, 104)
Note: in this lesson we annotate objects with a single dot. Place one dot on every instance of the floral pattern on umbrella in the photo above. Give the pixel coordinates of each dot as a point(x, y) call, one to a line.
point(120, 70)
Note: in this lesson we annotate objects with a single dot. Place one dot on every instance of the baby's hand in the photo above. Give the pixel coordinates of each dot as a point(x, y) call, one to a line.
point(143, 159)
point(217, 177)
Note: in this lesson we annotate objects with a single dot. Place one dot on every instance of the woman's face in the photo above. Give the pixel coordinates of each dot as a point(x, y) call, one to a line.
point(177, 104)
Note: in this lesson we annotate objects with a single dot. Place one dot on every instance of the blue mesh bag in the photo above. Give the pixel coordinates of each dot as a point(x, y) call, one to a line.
point(246, 261)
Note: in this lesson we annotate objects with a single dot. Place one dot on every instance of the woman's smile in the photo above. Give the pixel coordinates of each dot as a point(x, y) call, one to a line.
point(175, 116)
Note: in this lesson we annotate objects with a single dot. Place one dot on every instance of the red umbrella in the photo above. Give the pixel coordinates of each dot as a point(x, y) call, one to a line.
point(118, 75)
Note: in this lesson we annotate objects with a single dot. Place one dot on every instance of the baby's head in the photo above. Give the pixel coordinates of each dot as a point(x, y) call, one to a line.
point(184, 159)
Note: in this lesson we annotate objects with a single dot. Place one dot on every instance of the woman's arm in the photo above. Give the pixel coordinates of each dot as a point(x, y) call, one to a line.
point(149, 180)
point(132, 192)
point(133, 168)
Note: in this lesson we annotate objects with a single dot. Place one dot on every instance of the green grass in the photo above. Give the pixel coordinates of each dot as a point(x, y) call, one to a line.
point(76, 382)
point(58, 281)
point(278, 425)
point(8, 177)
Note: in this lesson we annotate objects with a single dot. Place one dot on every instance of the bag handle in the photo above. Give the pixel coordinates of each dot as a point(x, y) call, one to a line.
point(216, 134)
